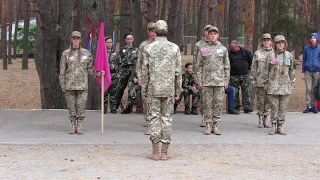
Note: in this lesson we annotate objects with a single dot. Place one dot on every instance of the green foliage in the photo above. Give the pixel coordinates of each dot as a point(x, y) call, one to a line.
point(31, 38)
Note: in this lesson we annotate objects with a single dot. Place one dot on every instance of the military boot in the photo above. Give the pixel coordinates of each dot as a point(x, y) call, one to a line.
point(79, 127)
point(113, 111)
point(273, 129)
point(187, 110)
point(105, 110)
point(215, 129)
point(164, 152)
point(175, 108)
point(266, 122)
point(155, 152)
point(147, 132)
point(260, 125)
point(73, 127)
point(194, 111)
point(209, 129)
point(280, 130)
point(203, 124)
point(127, 110)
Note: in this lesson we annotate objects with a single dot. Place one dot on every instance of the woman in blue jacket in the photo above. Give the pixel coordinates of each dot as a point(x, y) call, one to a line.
point(310, 71)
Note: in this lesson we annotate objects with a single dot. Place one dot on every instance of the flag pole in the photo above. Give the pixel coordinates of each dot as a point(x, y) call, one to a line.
point(102, 103)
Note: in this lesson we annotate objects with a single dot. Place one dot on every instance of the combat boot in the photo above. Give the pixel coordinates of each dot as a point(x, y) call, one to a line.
point(113, 111)
point(147, 132)
point(266, 122)
point(127, 110)
point(175, 108)
point(105, 111)
point(260, 125)
point(73, 127)
point(187, 110)
point(194, 111)
point(209, 129)
point(280, 130)
point(273, 129)
point(164, 152)
point(155, 152)
point(79, 127)
point(145, 124)
point(203, 124)
point(215, 129)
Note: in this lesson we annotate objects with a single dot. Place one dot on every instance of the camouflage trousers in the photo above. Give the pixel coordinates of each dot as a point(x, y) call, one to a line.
point(262, 102)
point(186, 94)
point(112, 92)
point(123, 82)
point(242, 82)
point(278, 105)
point(76, 102)
point(145, 110)
point(212, 101)
point(132, 95)
point(160, 110)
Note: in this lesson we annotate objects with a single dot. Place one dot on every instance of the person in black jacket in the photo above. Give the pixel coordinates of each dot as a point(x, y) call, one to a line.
point(240, 62)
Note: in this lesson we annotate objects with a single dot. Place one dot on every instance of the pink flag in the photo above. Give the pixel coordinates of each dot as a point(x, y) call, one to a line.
point(102, 63)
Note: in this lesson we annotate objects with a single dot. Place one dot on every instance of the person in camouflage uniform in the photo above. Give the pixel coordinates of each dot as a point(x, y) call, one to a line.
point(279, 81)
point(189, 86)
point(161, 85)
point(203, 42)
point(75, 65)
point(151, 38)
point(213, 72)
point(133, 87)
point(114, 60)
point(258, 67)
point(128, 58)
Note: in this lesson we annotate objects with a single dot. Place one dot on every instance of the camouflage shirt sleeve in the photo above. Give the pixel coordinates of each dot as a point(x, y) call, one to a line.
point(144, 74)
point(178, 76)
point(63, 69)
point(199, 67)
point(139, 61)
point(292, 71)
point(253, 68)
point(226, 67)
point(90, 68)
point(195, 57)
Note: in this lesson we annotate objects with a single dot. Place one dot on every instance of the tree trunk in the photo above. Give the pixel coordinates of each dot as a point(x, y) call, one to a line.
point(109, 12)
point(92, 11)
point(64, 30)
point(75, 22)
point(174, 7)
point(213, 12)
point(256, 26)
point(151, 10)
point(233, 21)
point(194, 12)
point(25, 35)
point(46, 57)
point(163, 10)
point(10, 19)
point(187, 20)
point(201, 19)
point(1, 45)
point(249, 15)
point(226, 18)
point(179, 20)
point(4, 33)
point(18, 15)
point(220, 16)
point(139, 33)
point(125, 20)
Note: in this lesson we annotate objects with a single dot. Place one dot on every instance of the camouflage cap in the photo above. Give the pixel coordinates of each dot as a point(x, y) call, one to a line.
point(279, 38)
point(213, 28)
point(161, 26)
point(76, 34)
point(207, 26)
point(151, 25)
point(266, 36)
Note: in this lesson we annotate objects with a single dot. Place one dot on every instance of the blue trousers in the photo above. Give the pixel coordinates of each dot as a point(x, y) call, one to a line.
point(231, 92)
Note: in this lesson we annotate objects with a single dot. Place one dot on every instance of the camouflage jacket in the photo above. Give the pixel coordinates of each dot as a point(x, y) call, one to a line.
point(139, 60)
point(279, 76)
point(114, 61)
point(258, 66)
point(213, 65)
point(189, 81)
point(128, 57)
point(74, 70)
point(203, 42)
point(161, 69)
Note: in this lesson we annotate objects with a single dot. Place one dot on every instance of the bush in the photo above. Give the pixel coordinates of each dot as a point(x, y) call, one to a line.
point(31, 38)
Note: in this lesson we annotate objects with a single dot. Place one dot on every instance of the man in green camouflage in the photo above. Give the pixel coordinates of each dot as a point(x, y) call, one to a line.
point(161, 85)
point(114, 60)
point(189, 86)
point(128, 55)
point(213, 72)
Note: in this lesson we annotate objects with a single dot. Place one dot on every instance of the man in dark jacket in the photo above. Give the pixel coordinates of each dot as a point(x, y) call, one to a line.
point(310, 71)
point(240, 62)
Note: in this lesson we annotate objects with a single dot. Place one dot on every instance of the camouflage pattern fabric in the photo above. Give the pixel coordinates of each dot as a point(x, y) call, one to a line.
point(161, 81)
point(278, 105)
point(188, 82)
point(76, 102)
point(242, 82)
point(140, 56)
point(114, 61)
point(133, 88)
point(212, 103)
point(262, 101)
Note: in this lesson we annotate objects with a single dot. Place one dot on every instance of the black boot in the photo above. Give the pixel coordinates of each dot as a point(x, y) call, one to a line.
point(113, 111)
point(194, 111)
point(105, 111)
point(127, 110)
point(187, 111)
point(175, 108)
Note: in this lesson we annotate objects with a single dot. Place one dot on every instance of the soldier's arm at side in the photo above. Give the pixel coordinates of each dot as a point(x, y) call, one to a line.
point(144, 74)
point(265, 74)
point(253, 69)
point(63, 69)
point(178, 76)
point(226, 67)
point(292, 71)
point(195, 56)
point(139, 61)
point(199, 69)
point(90, 67)
point(250, 57)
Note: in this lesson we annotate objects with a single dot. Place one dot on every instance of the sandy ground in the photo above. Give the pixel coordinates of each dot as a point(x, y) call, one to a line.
point(20, 89)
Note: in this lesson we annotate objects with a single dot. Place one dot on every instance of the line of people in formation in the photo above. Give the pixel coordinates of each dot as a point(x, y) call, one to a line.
point(155, 69)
